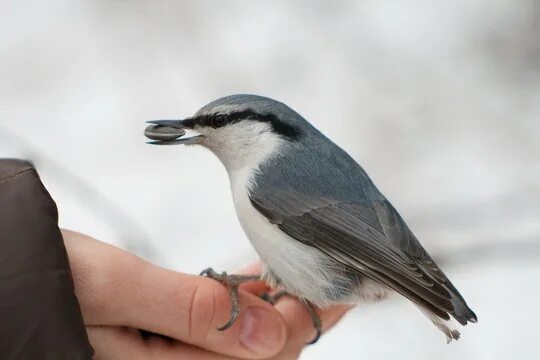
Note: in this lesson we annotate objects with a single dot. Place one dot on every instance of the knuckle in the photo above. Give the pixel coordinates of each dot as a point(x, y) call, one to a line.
point(201, 312)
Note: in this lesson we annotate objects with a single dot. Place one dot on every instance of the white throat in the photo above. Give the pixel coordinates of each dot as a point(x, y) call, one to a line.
point(244, 146)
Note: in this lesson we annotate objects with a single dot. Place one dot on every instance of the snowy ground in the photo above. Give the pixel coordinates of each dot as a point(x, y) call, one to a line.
point(440, 101)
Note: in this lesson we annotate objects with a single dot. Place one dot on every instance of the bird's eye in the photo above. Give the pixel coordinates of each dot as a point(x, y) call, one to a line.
point(219, 121)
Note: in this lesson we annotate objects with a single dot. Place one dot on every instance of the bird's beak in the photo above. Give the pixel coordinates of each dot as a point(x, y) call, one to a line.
point(169, 132)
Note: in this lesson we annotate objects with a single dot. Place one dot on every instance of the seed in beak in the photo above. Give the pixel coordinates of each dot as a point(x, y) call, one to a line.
point(163, 133)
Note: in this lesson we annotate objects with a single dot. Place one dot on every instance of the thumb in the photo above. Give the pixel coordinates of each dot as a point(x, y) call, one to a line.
point(118, 289)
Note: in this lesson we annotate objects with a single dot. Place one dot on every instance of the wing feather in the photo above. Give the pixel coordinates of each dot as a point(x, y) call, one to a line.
point(371, 239)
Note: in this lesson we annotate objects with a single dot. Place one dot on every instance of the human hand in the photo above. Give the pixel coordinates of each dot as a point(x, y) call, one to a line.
point(120, 293)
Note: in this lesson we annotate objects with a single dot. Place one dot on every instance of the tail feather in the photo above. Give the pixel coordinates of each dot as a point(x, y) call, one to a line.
point(462, 312)
point(446, 326)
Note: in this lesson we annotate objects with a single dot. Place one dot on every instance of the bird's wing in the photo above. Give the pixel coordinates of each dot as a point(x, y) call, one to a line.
point(370, 238)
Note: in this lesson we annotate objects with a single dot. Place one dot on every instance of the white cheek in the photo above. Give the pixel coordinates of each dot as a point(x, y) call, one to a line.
point(242, 145)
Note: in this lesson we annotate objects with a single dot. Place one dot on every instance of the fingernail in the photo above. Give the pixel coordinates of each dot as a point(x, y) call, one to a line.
point(262, 331)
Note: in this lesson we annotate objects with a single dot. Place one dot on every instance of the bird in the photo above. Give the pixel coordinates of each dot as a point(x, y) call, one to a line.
point(324, 232)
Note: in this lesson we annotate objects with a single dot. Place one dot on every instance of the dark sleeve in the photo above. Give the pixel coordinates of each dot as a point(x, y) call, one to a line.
point(40, 317)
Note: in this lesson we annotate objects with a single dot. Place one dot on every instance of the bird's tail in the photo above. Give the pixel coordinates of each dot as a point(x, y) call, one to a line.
point(448, 327)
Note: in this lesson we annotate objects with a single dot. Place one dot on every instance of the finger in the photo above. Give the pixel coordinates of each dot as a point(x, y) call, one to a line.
point(191, 308)
point(299, 322)
point(116, 343)
point(254, 287)
point(300, 325)
point(116, 288)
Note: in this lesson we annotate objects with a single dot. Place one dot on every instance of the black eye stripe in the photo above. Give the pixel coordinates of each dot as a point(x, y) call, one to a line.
point(213, 120)
point(218, 120)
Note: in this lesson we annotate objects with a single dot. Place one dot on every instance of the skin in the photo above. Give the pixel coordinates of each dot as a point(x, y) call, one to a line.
point(120, 293)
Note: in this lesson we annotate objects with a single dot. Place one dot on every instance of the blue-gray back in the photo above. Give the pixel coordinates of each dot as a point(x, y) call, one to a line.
point(317, 194)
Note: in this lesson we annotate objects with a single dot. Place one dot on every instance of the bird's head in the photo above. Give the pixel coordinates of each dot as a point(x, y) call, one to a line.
point(240, 129)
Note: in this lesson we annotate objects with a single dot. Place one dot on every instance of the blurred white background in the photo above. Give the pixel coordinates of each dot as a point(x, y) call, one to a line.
point(439, 101)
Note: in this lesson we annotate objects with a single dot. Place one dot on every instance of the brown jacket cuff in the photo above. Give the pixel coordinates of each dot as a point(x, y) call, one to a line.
point(40, 317)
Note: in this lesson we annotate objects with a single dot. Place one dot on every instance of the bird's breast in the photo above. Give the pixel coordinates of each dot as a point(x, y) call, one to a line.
point(300, 269)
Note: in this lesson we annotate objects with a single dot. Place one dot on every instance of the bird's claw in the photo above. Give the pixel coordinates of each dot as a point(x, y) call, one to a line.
point(232, 282)
point(316, 322)
point(273, 298)
point(210, 273)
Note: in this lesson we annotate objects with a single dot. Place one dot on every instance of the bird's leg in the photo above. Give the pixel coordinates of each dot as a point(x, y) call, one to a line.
point(273, 298)
point(232, 282)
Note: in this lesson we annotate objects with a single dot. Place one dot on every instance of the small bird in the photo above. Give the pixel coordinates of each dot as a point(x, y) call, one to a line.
point(323, 231)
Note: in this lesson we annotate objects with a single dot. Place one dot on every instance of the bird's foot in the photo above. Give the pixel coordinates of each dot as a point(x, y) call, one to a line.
point(232, 282)
point(273, 298)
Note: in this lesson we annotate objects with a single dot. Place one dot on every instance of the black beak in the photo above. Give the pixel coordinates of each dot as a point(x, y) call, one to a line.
point(177, 124)
point(168, 132)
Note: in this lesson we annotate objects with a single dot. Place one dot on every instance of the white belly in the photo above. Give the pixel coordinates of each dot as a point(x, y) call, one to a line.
point(301, 269)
